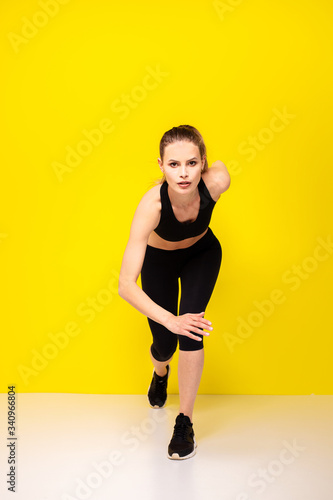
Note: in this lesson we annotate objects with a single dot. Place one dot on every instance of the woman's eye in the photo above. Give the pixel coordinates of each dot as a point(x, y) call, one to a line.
point(192, 162)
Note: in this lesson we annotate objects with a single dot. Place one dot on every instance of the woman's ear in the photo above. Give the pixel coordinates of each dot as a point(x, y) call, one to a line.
point(160, 163)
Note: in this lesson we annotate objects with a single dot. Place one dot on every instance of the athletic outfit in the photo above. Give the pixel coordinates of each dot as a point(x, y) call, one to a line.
point(197, 267)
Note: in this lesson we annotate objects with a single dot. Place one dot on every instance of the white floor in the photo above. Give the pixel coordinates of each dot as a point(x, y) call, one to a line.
point(101, 447)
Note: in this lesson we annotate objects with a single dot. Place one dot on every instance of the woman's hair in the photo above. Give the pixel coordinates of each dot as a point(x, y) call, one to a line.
point(183, 133)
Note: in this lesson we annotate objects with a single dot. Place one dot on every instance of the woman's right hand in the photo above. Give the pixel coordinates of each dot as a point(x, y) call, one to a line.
point(187, 324)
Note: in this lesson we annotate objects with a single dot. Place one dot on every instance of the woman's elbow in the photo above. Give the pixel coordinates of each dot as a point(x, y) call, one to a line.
point(224, 182)
point(227, 181)
point(123, 285)
point(121, 289)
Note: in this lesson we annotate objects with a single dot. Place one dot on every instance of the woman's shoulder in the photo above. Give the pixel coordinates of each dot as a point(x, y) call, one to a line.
point(152, 196)
point(150, 203)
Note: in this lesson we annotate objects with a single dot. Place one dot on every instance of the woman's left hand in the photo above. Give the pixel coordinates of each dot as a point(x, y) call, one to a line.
point(189, 323)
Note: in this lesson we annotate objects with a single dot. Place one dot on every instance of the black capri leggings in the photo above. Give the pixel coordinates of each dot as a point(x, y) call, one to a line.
point(197, 267)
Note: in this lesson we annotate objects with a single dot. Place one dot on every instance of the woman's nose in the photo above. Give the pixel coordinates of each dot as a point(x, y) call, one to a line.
point(183, 171)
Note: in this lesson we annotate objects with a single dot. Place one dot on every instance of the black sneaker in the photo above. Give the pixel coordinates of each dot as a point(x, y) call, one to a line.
point(182, 444)
point(157, 392)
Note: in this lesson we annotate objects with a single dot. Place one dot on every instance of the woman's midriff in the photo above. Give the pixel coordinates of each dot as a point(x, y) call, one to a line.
point(156, 241)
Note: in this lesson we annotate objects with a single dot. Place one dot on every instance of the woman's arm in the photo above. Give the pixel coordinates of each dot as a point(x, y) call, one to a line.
point(217, 179)
point(219, 167)
point(145, 219)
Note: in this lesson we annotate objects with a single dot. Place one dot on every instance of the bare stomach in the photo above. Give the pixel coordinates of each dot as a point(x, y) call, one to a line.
point(156, 241)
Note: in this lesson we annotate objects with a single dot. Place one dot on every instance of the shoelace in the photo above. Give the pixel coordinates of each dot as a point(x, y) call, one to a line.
point(180, 431)
point(159, 386)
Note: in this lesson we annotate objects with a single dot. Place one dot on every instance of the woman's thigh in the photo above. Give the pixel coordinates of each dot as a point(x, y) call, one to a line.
point(159, 278)
point(198, 277)
point(159, 281)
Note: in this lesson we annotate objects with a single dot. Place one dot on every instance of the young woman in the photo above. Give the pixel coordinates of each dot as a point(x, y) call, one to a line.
point(170, 239)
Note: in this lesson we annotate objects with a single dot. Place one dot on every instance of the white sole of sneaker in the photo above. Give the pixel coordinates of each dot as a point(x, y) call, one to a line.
point(156, 407)
point(175, 456)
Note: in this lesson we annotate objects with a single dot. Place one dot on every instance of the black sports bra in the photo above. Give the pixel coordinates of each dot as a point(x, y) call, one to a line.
point(171, 229)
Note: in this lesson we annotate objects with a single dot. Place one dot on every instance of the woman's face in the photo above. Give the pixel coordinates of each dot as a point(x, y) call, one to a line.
point(182, 166)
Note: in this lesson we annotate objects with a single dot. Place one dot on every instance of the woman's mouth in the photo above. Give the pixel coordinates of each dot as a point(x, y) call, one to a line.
point(184, 184)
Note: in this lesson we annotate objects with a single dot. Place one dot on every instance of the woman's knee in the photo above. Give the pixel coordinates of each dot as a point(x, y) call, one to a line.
point(161, 352)
point(188, 344)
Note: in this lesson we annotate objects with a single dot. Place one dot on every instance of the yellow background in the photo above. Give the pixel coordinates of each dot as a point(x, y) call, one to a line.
point(226, 68)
